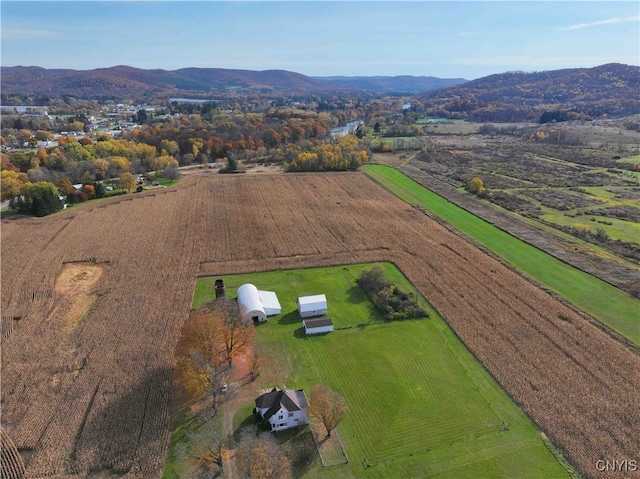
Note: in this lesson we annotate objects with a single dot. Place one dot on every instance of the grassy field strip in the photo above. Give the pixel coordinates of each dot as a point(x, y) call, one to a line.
point(603, 253)
point(618, 230)
point(607, 193)
point(612, 306)
point(630, 159)
point(421, 405)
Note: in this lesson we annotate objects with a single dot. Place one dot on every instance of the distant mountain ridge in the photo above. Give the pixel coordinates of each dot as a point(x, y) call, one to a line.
point(127, 82)
point(612, 89)
point(393, 84)
point(124, 82)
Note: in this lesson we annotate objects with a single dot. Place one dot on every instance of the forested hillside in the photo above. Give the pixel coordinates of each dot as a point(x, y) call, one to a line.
point(124, 82)
point(612, 89)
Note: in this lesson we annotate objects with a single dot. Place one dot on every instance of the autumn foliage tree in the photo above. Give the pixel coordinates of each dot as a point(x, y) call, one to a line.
point(90, 191)
point(11, 183)
point(327, 406)
point(476, 186)
point(260, 457)
point(339, 155)
point(200, 369)
point(39, 199)
point(127, 181)
point(211, 337)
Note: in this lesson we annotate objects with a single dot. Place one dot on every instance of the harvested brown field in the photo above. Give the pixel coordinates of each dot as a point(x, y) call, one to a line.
point(93, 300)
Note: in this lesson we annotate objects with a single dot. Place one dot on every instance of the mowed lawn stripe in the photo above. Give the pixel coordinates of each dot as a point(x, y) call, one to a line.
point(605, 302)
point(420, 404)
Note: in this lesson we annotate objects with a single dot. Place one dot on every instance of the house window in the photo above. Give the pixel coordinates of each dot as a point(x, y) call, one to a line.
point(280, 416)
point(290, 414)
point(282, 425)
point(296, 420)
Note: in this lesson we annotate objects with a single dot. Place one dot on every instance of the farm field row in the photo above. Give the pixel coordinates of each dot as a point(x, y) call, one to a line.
point(421, 404)
point(86, 386)
point(606, 303)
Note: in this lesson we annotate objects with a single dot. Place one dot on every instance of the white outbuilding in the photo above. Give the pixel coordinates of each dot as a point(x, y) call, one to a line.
point(317, 326)
point(257, 305)
point(315, 305)
point(250, 304)
point(270, 302)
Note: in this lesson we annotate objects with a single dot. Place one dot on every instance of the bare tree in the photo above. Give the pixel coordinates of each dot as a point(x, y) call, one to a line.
point(171, 173)
point(236, 333)
point(254, 366)
point(261, 457)
point(210, 442)
point(327, 406)
point(373, 279)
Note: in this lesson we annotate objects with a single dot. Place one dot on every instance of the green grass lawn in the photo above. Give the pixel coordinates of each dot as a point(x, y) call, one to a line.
point(608, 304)
point(630, 159)
point(421, 405)
point(618, 229)
point(164, 182)
point(400, 142)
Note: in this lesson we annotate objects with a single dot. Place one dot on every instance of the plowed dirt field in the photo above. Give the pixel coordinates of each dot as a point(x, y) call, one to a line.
point(93, 300)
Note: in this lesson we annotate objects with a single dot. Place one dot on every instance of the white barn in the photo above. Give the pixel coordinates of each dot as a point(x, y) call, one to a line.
point(283, 408)
point(309, 306)
point(317, 326)
point(270, 302)
point(250, 304)
point(257, 305)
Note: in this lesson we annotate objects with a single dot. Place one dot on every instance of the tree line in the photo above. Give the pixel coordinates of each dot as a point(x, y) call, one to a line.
point(297, 137)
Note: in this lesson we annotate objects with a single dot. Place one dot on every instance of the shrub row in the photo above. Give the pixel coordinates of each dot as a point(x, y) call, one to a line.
point(394, 303)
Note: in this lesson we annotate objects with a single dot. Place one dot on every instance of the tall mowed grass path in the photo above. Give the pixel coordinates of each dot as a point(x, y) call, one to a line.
point(610, 305)
point(93, 394)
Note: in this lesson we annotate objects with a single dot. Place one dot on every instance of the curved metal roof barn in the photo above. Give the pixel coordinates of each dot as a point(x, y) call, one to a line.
point(250, 303)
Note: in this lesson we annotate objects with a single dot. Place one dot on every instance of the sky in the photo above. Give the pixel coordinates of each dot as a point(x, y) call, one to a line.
point(452, 39)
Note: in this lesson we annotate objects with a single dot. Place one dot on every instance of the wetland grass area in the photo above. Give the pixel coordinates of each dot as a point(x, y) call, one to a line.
point(606, 303)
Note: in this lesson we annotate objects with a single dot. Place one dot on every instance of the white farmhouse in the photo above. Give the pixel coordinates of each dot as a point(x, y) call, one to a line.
point(317, 326)
point(283, 408)
point(257, 305)
point(309, 306)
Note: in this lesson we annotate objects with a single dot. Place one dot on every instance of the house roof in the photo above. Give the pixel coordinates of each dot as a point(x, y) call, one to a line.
point(317, 323)
point(269, 299)
point(249, 299)
point(281, 398)
point(312, 300)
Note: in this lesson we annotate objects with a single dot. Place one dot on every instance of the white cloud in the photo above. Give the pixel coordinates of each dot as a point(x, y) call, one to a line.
point(607, 21)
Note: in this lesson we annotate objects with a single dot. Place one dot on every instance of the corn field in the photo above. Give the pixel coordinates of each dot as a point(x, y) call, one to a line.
point(86, 369)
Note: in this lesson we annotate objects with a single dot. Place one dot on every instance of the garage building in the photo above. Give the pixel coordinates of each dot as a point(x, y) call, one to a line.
point(257, 305)
point(309, 306)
